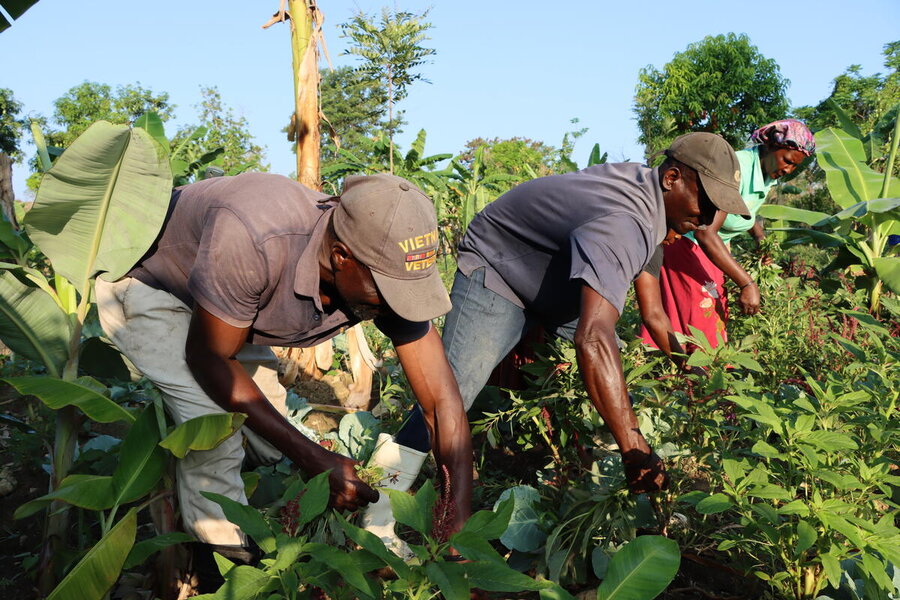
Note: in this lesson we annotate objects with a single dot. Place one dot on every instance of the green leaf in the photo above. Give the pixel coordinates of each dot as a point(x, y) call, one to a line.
point(555, 592)
point(141, 461)
point(144, 550)
point(830, 441)
point(247, 518)
point(714, 504)
point(414, 511)
point(794, 507)
point(641, 569)
point(152, 124)
point(93, 492)
point(242, 583)
point(12, 239)
point(202, 433)
point(849, 178)
point(358, 432)
point(103, 202)
point(789, 213)
point(95, 574)
point(806, 537)
point(833, 571)
point(342, 564)
point(523, 532)
point(33, 324)
point(56, 393)
point(888, 270)
point(314, 500)
point(474, 547)
point(490, 524)
point(369, 541)
point(450, 579)
point(493, 577)
point(767, 450)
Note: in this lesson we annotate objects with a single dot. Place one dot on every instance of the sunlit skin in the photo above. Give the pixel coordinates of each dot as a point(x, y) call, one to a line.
point(688, 208)
point(779, 162)
point(348, 284)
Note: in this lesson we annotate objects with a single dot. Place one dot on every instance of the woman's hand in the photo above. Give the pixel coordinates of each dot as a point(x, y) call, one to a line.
point(749, 299)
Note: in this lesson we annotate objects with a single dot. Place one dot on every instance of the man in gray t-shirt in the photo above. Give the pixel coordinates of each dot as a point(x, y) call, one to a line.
point(568, 246)
point(257, 260)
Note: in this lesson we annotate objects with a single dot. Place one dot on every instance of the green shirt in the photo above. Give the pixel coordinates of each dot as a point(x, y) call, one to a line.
point(754, 189)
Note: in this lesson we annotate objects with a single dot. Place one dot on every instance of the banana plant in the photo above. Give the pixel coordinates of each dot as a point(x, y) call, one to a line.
point(871, 206)
point(98, 210)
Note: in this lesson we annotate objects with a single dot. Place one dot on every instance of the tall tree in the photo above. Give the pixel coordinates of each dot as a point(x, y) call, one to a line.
point(354, 107)
point(391, 51)
point(10, 130)
point(88, 102)
point(721, 84)
point(224, 130)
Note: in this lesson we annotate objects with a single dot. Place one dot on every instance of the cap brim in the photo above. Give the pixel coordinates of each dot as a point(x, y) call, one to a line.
point(725, 197)
point(415, 300)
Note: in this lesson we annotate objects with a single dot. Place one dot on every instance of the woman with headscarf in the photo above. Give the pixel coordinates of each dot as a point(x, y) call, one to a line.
point(692, 277)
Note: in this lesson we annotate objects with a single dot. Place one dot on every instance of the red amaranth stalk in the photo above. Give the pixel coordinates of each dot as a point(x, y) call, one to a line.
point(444, 511)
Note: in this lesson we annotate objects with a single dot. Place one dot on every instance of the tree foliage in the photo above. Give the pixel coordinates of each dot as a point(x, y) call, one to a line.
point(721, 84)
point(10, 123)
point(390, 51)
point(223, 130)
point(89, 102)
point(520, 157)
point(354, 106)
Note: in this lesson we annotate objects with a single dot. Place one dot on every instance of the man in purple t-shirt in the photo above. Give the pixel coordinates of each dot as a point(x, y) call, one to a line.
point(567, 247)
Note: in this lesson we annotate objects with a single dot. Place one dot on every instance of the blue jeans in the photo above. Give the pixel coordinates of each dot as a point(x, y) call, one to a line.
point(481, 329)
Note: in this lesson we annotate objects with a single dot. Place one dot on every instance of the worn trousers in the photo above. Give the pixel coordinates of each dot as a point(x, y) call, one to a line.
point(480, 329)
point(150, 326)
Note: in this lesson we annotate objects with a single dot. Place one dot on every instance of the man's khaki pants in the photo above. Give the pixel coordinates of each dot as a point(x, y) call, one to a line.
point(150, 327)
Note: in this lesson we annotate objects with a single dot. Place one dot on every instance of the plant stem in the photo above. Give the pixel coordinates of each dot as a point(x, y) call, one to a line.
point(889, 167)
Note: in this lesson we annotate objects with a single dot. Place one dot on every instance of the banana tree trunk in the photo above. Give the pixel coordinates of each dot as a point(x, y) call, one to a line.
point(304, 45)
point(7, 197)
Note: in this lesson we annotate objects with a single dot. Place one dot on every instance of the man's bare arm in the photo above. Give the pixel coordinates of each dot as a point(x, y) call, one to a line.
point(432, 381)
point(210, 353)
point(601, 369)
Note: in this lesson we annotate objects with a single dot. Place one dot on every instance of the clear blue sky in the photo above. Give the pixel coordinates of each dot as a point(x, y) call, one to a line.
point(502, 68)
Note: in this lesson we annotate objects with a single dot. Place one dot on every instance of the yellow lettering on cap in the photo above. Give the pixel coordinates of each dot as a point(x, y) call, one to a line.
point(404, 245)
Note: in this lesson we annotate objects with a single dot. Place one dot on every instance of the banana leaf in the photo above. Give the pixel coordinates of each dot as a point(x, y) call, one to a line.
point(850, 179)
point(32, 323)
point(101, 205)
point(15, 8)
point(99, 569)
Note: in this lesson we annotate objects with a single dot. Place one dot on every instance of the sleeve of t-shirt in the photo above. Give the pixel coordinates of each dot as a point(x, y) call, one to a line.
point(607, 254)
point(400, 330)
point(229, 273)
point(655, 265)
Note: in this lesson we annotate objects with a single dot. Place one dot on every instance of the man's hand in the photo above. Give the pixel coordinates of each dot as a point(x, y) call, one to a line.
point(644, 472)
point(346, 490)
point(749, 299)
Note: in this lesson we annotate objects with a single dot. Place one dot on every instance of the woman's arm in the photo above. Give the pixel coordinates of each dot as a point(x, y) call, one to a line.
point(717, 252)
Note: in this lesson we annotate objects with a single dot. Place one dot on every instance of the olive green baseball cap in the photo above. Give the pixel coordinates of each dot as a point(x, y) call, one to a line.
point(391, 227)
point(715, 161)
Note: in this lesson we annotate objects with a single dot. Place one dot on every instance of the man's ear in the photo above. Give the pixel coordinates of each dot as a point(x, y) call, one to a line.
point(340, 256)
point(670, 176)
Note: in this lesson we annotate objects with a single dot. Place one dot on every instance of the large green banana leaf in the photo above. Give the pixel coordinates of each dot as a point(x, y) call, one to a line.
point(32, 323)
point(15, 8)
point(101, 205)
point(850, 179)
point(98, 570)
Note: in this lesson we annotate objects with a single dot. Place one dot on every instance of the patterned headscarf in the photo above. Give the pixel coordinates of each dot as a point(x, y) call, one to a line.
point(787, 133)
